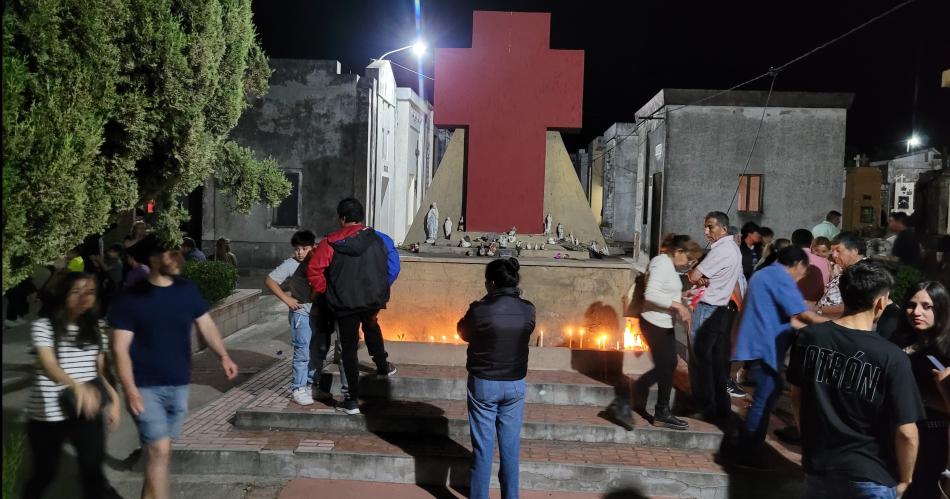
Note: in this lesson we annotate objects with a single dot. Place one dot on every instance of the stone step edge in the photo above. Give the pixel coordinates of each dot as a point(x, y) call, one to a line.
point(642, 435)
point(593, 383)
point(711, 437)
point(300, 412)
point(250, 462)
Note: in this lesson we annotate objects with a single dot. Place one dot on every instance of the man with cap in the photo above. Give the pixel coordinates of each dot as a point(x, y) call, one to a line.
point(152, 324)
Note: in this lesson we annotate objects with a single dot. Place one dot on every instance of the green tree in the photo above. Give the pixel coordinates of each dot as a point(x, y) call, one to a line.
point(110, 103)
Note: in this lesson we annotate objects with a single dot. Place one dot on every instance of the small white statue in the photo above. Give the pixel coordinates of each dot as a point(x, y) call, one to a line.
point(560, 231)
point(466, 242)
point(461, 226)
point(512, 235)
point(551, 240)
point(447, 227)
point(503, 242)
point(432, 224)
point(542, 246)
point(547, 224)
point(492, 248)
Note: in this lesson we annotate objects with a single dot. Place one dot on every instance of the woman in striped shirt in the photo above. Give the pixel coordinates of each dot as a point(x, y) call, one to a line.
point(66, 400)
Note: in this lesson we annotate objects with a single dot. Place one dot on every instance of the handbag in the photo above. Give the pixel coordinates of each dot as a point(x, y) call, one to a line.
point(67, 399)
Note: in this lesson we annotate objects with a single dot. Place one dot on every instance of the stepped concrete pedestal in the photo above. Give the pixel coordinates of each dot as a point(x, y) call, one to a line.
point(414, 429)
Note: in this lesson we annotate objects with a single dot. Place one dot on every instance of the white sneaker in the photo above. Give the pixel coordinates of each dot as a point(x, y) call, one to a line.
point(302, 396)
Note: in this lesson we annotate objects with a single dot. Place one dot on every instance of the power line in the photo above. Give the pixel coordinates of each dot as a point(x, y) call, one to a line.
point(771, 72)
point(410, 70)
point(755, 140)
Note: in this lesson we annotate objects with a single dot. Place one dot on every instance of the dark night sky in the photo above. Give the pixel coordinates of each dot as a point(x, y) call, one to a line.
point(633, 49)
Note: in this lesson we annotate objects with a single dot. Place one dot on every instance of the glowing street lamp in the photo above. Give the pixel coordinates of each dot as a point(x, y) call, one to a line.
point(418, 48)
point(912, 142)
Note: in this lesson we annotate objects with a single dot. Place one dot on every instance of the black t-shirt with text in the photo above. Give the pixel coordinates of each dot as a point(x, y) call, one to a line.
point(856, 388)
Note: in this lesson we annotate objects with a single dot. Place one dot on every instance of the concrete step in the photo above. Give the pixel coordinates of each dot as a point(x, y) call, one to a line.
point(419, 382)
point(449, 418)
point(438, 461)
point(216, 441)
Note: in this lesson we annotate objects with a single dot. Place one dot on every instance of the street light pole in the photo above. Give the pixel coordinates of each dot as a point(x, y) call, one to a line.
point(418, 48)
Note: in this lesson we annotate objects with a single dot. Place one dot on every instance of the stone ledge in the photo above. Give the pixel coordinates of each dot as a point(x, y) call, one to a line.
point(236, 312)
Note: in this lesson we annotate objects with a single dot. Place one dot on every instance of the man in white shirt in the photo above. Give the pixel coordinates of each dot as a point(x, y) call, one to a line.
point(711, 323)
point(828, 228)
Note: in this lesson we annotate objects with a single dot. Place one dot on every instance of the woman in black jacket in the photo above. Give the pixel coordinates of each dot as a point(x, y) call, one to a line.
point(497, 328)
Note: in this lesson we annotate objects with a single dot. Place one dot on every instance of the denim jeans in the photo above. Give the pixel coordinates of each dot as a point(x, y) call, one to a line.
point(819, 487)
point(768, 388)
point(710, 343)
point(301, 334)
point(495, 406)
point(165, 408)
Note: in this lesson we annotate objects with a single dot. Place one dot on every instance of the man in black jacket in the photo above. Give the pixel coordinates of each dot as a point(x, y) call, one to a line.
point(352, 270)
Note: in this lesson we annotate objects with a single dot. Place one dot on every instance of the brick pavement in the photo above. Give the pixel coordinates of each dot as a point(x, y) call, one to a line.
point(211, 427)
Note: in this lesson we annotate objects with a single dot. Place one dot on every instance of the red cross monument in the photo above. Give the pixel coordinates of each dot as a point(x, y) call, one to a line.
point(507, 90)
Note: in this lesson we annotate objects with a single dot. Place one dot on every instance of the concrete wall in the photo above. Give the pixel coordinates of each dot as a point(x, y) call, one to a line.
point(800, 152)
point(620, 183)
point(340, 132)
point(432, 294)
point(307, 121)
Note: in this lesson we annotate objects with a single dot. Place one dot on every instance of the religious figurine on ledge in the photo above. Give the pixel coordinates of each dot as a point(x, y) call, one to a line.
point(432, 224)
point(503, 242)
point(512, 235)
point(447, 227)
point(466, 242)
point(547, 224)
point(461, 226)
point(560, 231)
point(492, 248)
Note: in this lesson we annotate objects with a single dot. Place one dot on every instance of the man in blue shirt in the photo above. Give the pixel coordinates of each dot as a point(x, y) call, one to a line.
point(765, 332)
point(152, 324)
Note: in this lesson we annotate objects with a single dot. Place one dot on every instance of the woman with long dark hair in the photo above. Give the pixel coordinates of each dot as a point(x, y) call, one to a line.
point(926, 335)
point(70, 398)
point(498, 329)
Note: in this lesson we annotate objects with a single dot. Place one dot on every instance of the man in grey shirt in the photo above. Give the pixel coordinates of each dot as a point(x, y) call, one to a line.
point(711, 322)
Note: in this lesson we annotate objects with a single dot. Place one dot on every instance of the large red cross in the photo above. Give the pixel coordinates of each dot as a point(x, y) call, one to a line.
point(508, 89)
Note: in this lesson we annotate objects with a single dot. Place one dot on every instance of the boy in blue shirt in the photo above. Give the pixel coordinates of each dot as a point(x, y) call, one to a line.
point(765, 333)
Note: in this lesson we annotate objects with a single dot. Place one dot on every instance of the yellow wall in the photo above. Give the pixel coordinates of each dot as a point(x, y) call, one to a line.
point(862, 190)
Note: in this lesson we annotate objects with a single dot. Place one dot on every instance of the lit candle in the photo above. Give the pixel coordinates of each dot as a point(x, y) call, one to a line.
point(456, 339)
point(431, 339)
point(618, 346)
point(542, 338)
point(443, 339)
point(582, 338)
point(570, 338)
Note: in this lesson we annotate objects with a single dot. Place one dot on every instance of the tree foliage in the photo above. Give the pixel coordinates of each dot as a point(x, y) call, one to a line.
point(110, 103)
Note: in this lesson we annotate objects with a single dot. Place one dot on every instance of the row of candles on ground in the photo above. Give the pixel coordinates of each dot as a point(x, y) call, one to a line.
point(631, 340)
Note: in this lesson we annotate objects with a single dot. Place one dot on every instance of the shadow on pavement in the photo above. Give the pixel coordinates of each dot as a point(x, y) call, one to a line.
point(440, 462)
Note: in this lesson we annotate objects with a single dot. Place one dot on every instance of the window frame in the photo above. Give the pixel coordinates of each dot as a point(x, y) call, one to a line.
point(274, 210)
point(743, 198)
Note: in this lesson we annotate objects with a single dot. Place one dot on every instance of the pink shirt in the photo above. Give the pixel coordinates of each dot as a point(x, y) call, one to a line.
point(822, 263)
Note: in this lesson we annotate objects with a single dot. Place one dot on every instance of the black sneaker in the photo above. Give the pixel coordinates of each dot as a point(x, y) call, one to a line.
point(349, 407)
point(735, 391)
point(620, 414)
point(389, 370)
point(667, 420)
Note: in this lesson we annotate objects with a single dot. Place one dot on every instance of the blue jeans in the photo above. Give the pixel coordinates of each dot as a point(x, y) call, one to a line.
point(819, 487)
point(768, 388)
point(164, 412)
point(301, 333)
point(495, 406)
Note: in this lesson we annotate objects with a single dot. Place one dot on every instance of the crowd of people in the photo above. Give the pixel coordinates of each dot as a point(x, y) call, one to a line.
point(867, 374)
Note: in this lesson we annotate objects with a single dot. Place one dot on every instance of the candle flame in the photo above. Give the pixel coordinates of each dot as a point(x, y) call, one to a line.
point(633, 337)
